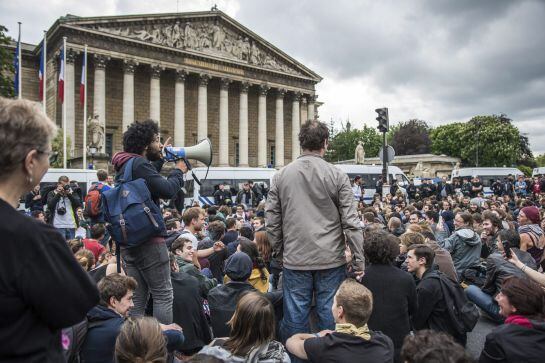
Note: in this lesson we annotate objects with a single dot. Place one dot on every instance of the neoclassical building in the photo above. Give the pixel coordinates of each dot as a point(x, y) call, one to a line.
point(199, 74)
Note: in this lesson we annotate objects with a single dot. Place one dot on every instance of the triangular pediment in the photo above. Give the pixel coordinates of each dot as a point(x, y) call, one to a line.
point(209, 34)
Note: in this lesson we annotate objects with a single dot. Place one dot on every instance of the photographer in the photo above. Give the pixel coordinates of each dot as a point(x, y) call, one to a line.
point(62, 204)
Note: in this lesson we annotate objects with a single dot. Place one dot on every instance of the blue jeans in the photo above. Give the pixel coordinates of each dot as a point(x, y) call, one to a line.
point(484, 301)
point(299, 287)
point(68, 233)
point(149, 265)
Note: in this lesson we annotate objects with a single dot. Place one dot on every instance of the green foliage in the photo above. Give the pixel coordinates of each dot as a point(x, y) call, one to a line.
point(411, 137)
point(491, 139)
point(525, 169)
point(446, 139)
point(57, 146)
point(6, 65)
point(342, 144)
point(540, 160)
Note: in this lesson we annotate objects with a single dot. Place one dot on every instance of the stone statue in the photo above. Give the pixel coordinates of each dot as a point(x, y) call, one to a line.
point(97, 134)
point(217, 36)
point(418, 170)
point(359, 154)
point(457, 166)
point(255, 54)
point(190, 37)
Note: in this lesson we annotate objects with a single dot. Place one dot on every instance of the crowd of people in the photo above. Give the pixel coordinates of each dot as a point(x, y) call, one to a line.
point(309, 271)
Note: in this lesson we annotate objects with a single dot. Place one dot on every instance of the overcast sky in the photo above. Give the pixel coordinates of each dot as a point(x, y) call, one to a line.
point(439, 61)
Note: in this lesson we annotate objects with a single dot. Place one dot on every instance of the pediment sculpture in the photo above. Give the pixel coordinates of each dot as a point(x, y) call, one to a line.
point(205, 37)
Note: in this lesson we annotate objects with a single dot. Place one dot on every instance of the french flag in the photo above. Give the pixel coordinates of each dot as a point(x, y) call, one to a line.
point(82, 84)
point(61, 77)
point(41, 75)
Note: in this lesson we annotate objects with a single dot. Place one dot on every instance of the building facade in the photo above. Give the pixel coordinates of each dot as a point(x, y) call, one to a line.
point(197, 74)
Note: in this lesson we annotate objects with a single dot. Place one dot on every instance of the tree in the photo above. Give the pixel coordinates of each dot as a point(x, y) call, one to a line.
point(526, 157)
point(6, 65)
point(57, 146)
point(525, 169)
point(540, 160)
point(343, 143)
point(490, 141)
point(412, 137)
point(446, 139)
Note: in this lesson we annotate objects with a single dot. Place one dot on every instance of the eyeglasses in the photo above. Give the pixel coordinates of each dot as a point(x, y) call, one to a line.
point(53, 155)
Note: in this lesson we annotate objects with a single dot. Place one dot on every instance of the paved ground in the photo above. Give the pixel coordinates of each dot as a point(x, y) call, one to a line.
point(475, 339)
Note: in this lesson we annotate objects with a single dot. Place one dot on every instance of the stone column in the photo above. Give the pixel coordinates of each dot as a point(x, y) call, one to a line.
point(311, 113)
point(224, 123)
point(262, 126)
point(128, 94)
point(69, 83)
point(202, 107)
point(295, 126)
point(243, 125)
point(155, 94)
point(179, 108)
point(279, 128)
point(99, 94)
point(303, 110)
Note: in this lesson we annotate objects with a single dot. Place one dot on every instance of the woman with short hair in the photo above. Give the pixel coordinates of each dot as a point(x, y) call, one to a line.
point(43, 287)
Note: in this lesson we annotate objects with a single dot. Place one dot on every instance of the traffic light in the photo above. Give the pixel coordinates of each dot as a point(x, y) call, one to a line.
point(383, 122)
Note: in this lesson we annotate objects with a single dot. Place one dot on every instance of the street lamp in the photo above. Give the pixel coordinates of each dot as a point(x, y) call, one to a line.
point(92, 151)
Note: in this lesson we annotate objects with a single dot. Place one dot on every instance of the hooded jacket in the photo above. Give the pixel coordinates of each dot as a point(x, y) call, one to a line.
point(522, 340)
point(99, 343)
point(464, 246)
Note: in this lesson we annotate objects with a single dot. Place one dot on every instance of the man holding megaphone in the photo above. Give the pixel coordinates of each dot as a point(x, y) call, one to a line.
point(148, 262)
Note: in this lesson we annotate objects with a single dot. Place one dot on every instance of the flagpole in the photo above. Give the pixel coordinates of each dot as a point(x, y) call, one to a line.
point(44, 55)
point(64, 104)
point(85, 108)
point(19, 63)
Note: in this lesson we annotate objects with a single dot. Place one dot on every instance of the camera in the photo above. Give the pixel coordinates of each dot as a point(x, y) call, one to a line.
point(66, 187)
point(61, 211)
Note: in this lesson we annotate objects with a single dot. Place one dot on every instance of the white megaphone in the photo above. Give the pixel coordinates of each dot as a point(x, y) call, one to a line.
point(201, 152)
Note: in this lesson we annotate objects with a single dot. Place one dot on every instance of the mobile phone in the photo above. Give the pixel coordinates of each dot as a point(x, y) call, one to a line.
point(506, 249)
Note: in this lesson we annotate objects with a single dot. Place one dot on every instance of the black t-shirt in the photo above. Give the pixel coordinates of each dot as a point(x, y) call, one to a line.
point(339, 347)
point(42, 289)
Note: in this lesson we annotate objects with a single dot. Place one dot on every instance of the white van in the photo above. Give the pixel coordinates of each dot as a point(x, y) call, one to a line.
point(538, 171)
point(84, 178)
point(233, 179)
point(486, 175)
point(370, 174)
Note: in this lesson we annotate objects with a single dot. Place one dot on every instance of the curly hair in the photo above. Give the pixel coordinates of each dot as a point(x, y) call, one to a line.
point(432, 346)
point(380, 248)
point(139, 135)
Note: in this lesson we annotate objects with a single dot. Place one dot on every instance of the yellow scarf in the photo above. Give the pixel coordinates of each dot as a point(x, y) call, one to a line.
point(351, 329)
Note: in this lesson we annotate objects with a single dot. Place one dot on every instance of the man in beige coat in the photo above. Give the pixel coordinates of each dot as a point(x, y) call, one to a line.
point(311, 217)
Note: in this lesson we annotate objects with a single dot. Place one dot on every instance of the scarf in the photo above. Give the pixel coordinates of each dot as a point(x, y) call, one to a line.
point(350, 329)
point(519, 320)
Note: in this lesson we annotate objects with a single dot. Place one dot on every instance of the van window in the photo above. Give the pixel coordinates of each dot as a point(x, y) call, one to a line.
point(209, 186)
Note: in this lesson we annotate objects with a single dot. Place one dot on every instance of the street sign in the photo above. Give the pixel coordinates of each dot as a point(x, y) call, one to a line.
point(390, 153)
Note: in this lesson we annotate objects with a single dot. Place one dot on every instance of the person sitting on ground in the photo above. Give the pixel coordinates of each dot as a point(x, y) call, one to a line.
point(264, 248)
point(252, 334)
point(231, 234)
point(442, 260)
point(245, 231)
point(532, 238)
point(260, 276)
point(394, 290)
point(106, 265)
point(141, 340)
point(432, 311)
point(86, 259)
point(427, 346)
point(522, 337)
point(187, 309)
point(222, 299)
point(464, 245)
point(93, 244)
point(406, 240)
point(395, 226)
point(215, 262)
point(491, 226)
point(105, 320)
point(352, 339)
point(182, 248)
point(497, 270)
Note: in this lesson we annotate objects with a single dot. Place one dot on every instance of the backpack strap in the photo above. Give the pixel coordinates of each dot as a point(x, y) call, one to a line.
point(127, 175)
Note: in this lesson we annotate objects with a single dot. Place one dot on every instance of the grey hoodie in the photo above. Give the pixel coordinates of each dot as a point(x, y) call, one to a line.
point(464, 246)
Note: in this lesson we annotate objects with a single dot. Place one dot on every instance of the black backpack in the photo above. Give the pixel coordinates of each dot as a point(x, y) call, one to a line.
point(73, 338)
point(463, 314)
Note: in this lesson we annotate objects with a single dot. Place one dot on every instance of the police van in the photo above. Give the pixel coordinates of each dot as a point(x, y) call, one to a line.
point(232, 178)
point(370, 174)
point(487, 176)
point(538, 171)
